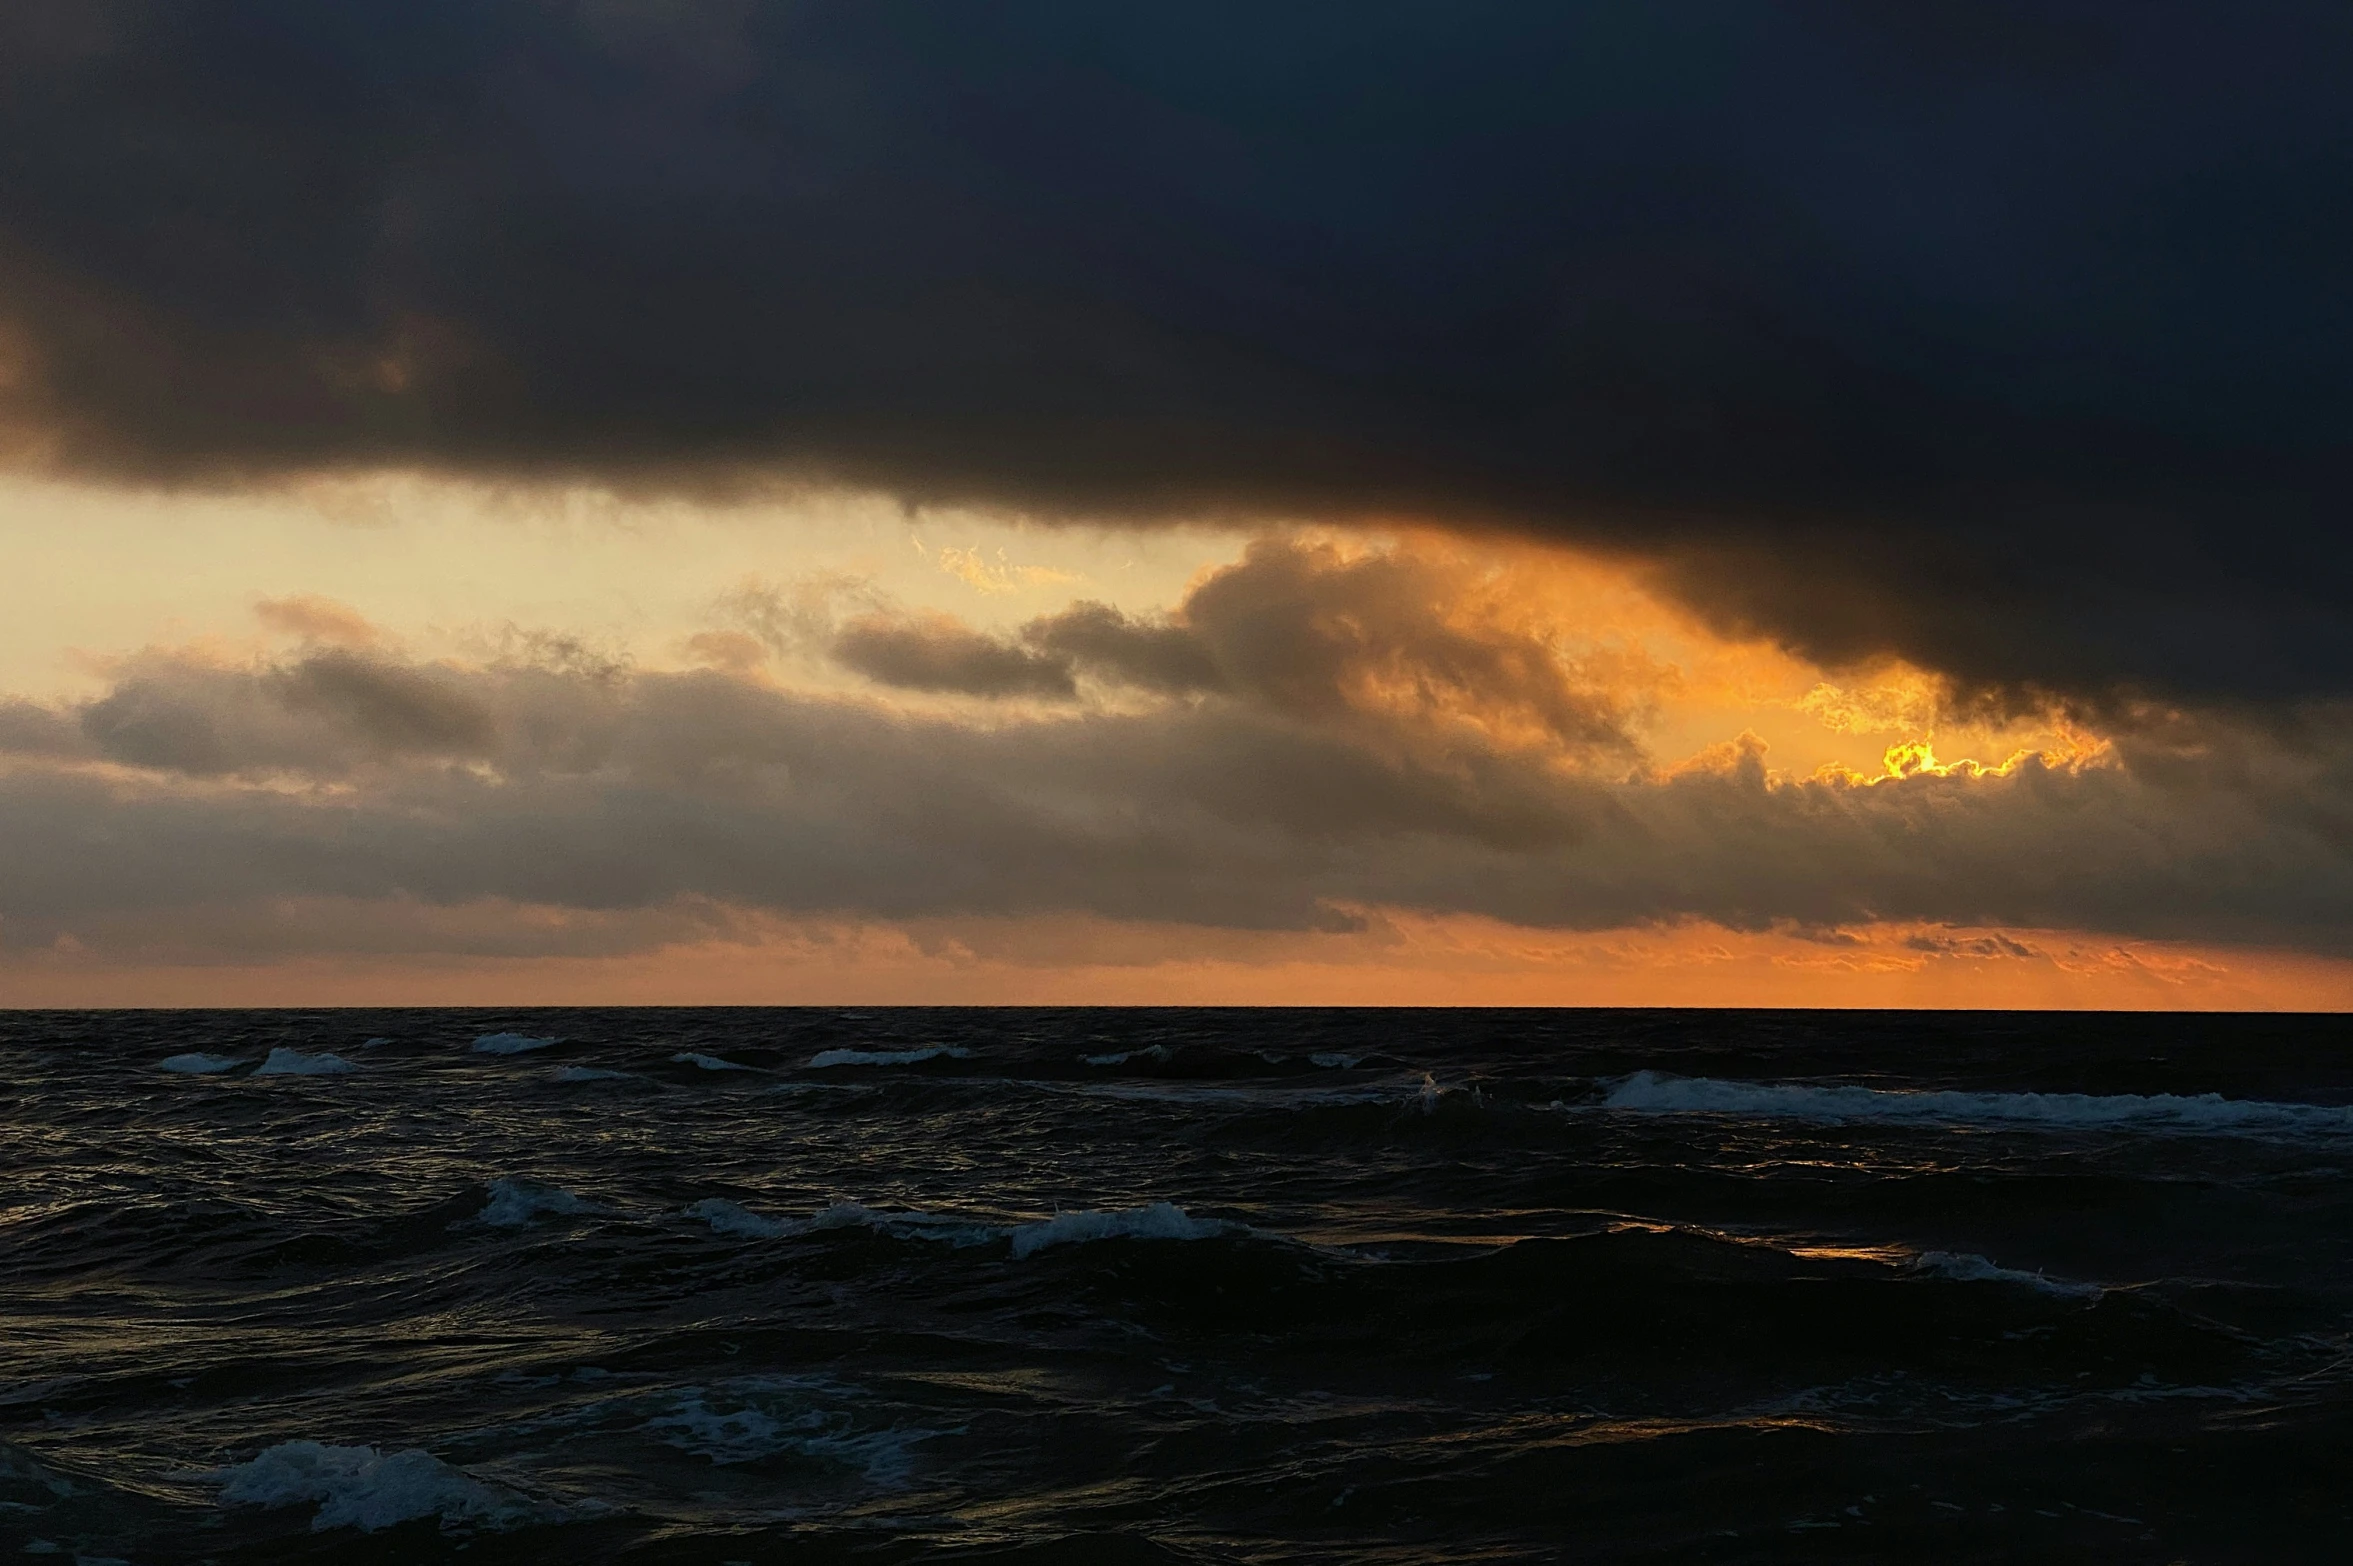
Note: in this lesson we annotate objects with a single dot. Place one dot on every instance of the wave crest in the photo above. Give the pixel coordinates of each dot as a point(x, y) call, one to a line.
point(360, 1487)
point(1653, 1092)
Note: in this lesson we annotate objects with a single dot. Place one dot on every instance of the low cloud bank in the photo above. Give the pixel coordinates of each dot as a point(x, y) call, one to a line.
point(1425, 756)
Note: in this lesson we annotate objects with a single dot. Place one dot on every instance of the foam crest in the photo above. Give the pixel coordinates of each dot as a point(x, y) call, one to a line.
point(1655, 1093)
point(284, 1062)
point(514, 1203)
point(886, 1057)
point(751, 1431)
point(1159, 1221)
point(509, 1044)
point(360, 1487)
point(688, 1057)
point(1158, 1054)
point(590, 1074)
point(726, 1217)
point(935, 1227)
point(1962, 1267)
point(198, 1064)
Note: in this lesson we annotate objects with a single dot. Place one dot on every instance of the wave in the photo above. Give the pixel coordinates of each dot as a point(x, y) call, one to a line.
point(360, 1487)
point(509, 1043)
point(590, 1074)
point(688, 1057)
point(199, 1064)
point(1238, 1095)
point(1158, 1054)
point(1155, 1221)
point(936, 1227)
point(514, 1203)
point(1158, 1221)
point(753, 1430)
point(1654, 1092)
point(886, 1057)
point(284, 1062)
point(726, 1217)
point(1962, 1267)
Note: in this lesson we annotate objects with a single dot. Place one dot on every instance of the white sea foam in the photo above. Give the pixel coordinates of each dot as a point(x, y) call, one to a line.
point(284, 1062)
point(746, 1422)
point(1244, 1095)
point(1655, 1093)
point(199, 1064)
point(514, 1203)
point(509, 1043)
point(1159, 1221)
point(707, 1062)
point(1333, 1060)
point(936, 1227)
point(726, 1217)
point(590, 1074)
point(1962, 1267)
point(1158, 1054)
point(885, 1057)
point(360, 1487)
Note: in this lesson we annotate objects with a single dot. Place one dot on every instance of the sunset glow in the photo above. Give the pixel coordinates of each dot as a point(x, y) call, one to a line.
point(342, 656)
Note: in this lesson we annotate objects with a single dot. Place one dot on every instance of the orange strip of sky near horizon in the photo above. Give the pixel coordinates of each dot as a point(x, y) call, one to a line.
point(1406, 960)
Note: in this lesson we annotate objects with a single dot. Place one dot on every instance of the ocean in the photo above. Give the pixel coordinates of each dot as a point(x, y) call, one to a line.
point(1160, 1286)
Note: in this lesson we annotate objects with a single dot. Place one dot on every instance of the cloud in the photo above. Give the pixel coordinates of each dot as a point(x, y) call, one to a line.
point(617, 802)
point(323, 713)
point(314, 619)
point(935, 653)
point(1152, 655)
point(1412, 636)
point(2016, 348)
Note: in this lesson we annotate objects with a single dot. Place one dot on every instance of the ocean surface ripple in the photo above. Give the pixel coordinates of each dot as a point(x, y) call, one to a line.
point(1073, 1286)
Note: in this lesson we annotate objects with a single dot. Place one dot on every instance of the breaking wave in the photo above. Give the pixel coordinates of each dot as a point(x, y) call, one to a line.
point(726, 1430)
point(1158, 1054)
point(360, 1487)
point(284, 1062)
point(726, 1217)
point(1653, 1092)
point(936, 1227)
point(514, 1203)
point(1159, 1221)
point(199, 1064)
point(886, 1057)
point(590, 1074)
point(1964, 1268)
point(509, 1043)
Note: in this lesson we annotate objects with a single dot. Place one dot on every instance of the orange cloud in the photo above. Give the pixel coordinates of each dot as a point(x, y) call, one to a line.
point(322, 620)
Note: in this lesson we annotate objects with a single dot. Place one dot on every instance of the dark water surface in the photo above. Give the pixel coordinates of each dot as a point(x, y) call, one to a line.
point(1141, 1286)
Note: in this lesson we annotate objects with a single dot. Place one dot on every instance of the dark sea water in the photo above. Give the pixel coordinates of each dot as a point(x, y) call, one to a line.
point(1159, 1286)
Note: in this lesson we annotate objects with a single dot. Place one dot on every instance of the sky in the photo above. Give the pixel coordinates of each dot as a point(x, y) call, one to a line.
point(698, 501)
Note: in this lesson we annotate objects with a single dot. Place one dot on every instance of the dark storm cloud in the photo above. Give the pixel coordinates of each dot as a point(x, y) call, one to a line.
point(2012, 338)
point(651, 804)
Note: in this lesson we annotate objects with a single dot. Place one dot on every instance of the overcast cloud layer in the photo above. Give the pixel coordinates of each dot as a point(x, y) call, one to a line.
point(2013, 338)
